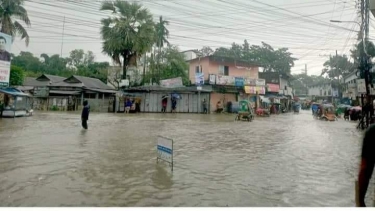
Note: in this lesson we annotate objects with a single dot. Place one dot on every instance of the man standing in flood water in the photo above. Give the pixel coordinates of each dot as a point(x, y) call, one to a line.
point(367, 164)
point(85, 114)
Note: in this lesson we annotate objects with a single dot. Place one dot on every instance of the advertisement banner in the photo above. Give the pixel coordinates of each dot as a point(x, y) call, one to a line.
point(250, 81)
point(5, 49)
point(361, 86)
point(212, 79)
point(273, 88)
point(254, 89)
point(225, 80)
point(238, 81)
point(199, 79)
point(171, 83)
point(260, 82)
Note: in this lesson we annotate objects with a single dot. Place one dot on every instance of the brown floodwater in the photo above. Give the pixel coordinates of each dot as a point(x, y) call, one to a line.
point(283, 160)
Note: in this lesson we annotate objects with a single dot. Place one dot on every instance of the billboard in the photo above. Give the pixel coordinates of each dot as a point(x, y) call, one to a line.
point(254, 89)
point(199, 79)
point(5, 49)
point(225, 80)
point(171, 83)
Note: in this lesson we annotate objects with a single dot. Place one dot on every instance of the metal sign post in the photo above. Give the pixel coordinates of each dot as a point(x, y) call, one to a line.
point(165, 150)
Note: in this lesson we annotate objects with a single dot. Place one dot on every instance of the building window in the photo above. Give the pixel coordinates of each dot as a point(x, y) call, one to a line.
point(197, 70)
point(223, 70)
point(329, 92)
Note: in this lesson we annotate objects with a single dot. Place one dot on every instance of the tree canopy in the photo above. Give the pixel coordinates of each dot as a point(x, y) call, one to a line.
point(9, 11)
point(273, 60)
point(55, 65)
point(128, 33)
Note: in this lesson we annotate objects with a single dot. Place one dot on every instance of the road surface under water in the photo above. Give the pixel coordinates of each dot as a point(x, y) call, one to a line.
point(283, 160)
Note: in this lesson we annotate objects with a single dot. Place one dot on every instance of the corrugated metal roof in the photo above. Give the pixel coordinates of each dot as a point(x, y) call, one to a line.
point(179, 89)
point(92, 83)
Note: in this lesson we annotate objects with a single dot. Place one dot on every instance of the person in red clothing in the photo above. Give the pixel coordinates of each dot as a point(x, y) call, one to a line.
point(367, 164)
point(164, 103)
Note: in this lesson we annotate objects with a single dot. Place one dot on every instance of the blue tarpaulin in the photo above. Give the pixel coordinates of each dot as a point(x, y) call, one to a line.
point(13, 92)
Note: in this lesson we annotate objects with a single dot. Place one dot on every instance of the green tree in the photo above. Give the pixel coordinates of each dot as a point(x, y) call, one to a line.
point(28, 61)
point(358, 50)
point(17, 75)
point(173, 65)
point(161, 37)
point(128, 33)
point(9, 11)
point(206, 51)
point(76, 57)
point(337, 66)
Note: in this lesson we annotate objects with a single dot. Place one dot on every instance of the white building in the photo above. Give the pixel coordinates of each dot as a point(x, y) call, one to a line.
point(350, 82)
point(323, 90)
point(189, 55)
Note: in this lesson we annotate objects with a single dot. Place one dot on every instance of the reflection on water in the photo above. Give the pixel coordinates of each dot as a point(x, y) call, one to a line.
point(284, 160)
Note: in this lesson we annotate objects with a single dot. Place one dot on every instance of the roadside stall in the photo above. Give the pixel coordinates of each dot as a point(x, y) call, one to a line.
point(14, 103)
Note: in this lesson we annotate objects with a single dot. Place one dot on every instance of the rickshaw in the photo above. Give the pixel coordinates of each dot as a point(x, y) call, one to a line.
point(245, 111)
point(326, 112)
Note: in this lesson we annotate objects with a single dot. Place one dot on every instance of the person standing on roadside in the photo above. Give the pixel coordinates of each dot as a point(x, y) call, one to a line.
point(204, 104)
point(367, 164)
point(85, 114)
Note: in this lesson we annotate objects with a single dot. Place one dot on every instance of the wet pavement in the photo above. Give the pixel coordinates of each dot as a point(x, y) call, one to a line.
point(283, 160)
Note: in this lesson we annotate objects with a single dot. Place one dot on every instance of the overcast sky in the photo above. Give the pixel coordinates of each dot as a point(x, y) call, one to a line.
point(303, 26)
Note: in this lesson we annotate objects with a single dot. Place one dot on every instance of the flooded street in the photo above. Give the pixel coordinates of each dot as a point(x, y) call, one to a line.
point(284, 160)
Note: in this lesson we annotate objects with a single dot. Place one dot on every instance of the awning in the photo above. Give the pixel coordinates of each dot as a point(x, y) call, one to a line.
point(13, 92)
point(64, 92)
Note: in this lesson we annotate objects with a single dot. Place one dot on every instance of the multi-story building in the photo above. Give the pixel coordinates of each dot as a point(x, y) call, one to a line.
point(230, 79)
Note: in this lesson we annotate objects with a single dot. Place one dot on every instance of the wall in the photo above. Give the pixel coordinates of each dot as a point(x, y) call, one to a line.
point(223, 98)
point(152, 102)
point(315, 91)
point(211, 67)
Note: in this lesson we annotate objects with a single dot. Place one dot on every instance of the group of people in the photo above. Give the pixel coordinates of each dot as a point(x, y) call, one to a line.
point(132, 106)
point(164, 104)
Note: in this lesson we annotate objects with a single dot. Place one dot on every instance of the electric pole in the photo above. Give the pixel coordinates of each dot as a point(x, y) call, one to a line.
point(62, 37)
point(365, 65)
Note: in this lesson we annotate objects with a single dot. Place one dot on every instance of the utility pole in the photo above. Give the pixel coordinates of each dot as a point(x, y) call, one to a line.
point(365, 65)
point(62, 37)
point(305, 69)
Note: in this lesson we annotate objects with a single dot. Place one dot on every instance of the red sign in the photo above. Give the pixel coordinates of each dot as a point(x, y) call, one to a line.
point(273, 88)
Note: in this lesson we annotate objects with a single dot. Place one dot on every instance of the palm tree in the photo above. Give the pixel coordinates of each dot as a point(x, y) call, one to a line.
point(161, 35)
point(128, 33)
point(10, 10)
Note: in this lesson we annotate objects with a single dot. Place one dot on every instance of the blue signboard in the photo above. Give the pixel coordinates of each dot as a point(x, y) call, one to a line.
point(238, 81)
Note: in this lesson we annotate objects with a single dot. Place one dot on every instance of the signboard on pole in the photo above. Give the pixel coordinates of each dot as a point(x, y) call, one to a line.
point(5, 49)
point(199, 79)
point(361, 86)
point(165, 150)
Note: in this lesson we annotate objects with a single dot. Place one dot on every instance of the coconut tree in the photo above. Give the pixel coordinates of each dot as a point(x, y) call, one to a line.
point(161, 38)
point(10, 12)
point(127, 33)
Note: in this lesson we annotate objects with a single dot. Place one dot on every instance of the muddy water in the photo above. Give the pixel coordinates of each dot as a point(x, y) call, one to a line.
point(285, 160)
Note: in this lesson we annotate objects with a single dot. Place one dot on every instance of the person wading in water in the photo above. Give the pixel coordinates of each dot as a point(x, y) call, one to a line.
point(85, 114)
point(367, 165)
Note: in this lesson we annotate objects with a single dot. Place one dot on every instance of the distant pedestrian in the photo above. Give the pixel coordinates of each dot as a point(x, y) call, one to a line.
point(128, 105)
point(85, 114)
point(204, 104)
point(164, 103)
point(174, 104)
